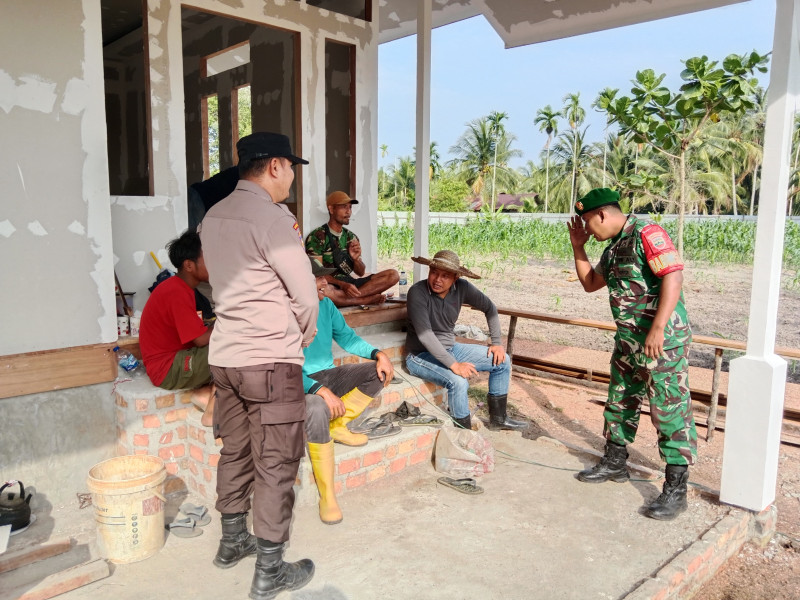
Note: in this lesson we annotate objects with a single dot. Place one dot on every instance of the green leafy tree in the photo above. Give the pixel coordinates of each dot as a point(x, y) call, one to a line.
point(449, 193)
point(547, 120)
point(669, 122)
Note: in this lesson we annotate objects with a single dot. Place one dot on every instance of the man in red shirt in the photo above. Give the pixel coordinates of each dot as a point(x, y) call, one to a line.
point(172, 337)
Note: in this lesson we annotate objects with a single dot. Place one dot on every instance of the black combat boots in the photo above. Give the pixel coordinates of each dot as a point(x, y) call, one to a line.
point(465, 422)
point(236, 542)
point(672, 500)
point(273, 575)
point(497, 414)
point(610, 468)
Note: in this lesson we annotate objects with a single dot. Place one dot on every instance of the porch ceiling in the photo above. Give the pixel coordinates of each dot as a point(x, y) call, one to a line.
point(521, 22)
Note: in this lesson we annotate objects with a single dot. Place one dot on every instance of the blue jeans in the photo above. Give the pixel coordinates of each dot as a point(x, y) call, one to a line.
point(426, 367)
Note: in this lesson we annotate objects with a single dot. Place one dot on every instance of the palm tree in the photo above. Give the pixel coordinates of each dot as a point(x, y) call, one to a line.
point(575, 114)
point(474, 150)
point(496, 127)
point(435, 165)
point(547, 120)
point(402, 176)
point(384, 150)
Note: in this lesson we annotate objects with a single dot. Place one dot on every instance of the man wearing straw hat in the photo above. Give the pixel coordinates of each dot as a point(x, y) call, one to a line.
point(432, 352)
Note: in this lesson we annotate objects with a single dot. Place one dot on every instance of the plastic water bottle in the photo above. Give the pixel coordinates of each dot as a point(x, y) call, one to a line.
point(126, 360)
point(403, 285)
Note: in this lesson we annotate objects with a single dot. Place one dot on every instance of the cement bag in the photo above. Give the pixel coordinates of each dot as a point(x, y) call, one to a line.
point(463, 452)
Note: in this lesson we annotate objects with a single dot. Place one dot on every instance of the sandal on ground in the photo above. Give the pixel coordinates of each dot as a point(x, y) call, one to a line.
point(466, 485)
point(425, 420)
point(197, 512)
point(384, 430)
point(184, 528)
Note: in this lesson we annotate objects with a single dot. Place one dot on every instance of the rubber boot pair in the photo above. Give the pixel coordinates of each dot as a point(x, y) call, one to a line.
point(273, 575)
point(612, 467)
point(672, 500)
point(498, 419)
point(323, 465)
point(236, 542)
point(355, 401)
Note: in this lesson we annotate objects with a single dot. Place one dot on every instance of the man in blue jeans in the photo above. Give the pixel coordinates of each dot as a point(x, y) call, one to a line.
point(432, 352)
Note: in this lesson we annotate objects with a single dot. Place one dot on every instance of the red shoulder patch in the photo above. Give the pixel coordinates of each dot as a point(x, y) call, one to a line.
point(660, 252)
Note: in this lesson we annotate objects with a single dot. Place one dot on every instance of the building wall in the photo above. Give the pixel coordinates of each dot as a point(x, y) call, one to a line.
point(55, 236)
point(63, 236)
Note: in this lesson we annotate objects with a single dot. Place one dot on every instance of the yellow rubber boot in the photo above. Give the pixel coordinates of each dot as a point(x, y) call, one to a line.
point(322, 463)
point(355, 401)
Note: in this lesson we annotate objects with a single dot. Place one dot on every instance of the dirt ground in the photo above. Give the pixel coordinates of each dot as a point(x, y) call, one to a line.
point(718, 301)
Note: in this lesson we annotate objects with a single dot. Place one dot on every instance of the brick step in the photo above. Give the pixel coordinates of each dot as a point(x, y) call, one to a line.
point(355, 466)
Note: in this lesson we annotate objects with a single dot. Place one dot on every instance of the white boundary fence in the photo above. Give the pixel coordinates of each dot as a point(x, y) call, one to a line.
point(401, 218)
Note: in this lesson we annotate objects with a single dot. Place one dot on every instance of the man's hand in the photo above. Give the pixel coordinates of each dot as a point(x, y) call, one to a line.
point(465, 369)
point(498, 354)
point(348, 288)
point(654, 342)
point(335, 404)
point(384, 367)
point(578, 236)
point(354, 248)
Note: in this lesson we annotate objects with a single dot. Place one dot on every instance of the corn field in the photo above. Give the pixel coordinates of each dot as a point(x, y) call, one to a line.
point(483, 240)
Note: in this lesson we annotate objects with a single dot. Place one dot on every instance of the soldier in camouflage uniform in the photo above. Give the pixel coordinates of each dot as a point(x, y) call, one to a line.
point(337, 247)
point(644, 275)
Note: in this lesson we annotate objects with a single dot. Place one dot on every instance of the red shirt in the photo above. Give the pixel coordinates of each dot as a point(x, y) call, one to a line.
point(169, 324)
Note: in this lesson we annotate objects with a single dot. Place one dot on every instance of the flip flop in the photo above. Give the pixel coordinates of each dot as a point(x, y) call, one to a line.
point(425, 420)
point(466, 485)
point(384, 430)
point(183, 528)
point(366, 425)
point(197, 512)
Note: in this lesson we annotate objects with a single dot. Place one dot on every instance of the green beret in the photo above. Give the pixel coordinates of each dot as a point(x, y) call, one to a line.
point(595, 199)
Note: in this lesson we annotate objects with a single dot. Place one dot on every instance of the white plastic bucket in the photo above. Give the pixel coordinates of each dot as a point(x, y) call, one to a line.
point(127, 494)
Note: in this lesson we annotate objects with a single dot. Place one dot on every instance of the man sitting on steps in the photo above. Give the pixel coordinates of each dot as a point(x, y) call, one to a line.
point(336, 395)
point(172, 337)
point(433, 354)
point(335, 246)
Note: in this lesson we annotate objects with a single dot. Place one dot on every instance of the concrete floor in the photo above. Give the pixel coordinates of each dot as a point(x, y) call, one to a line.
point(536, 532)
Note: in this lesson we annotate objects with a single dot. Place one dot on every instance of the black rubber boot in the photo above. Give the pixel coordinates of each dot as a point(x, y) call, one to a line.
point(273, 575)
point(236, 542)
point(465, 422)
point(672, 500)
point(610, 468)
point(498, 419)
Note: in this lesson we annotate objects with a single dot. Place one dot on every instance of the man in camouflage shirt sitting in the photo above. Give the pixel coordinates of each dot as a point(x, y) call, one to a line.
point(335, 246)
point(644, 275)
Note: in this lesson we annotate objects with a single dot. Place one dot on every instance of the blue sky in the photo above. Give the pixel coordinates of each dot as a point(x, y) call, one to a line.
point(473, 74)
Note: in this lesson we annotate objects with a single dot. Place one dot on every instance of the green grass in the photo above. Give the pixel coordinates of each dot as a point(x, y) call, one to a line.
point(497, 245)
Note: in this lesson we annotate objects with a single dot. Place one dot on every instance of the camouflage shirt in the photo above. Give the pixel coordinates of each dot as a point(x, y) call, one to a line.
point(317, 244)
point(632, 265)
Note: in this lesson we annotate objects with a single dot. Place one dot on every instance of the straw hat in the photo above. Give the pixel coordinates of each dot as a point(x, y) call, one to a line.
point(446, 260)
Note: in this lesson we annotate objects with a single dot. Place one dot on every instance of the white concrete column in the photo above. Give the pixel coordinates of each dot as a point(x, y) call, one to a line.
point(758, 380)
point(423, 158)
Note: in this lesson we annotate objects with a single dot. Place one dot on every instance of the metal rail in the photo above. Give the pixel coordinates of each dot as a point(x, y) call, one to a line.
point(719, 344)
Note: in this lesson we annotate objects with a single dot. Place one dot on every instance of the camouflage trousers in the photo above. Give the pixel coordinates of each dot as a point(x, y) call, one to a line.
point(664, 383)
